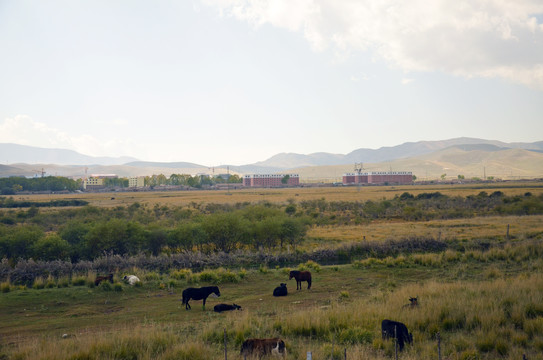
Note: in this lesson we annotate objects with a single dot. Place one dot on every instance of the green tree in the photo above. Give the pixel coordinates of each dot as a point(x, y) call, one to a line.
point(292, 231)
point(20, 241)
point(267, 232)
point(187, 235)
point(74, 233)
point(285, 178)
point(49, 248)
point(226, 231)
point(156, 239)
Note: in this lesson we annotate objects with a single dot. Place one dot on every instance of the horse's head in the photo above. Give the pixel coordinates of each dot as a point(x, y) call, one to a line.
point(236, 306)
point(216, 291)
point(292, 274)
point(283, 284)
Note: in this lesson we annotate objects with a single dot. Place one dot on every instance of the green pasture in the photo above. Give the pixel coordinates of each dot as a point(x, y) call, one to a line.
point(485, 305)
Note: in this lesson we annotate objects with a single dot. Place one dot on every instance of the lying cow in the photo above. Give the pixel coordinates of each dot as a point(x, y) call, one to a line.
point(225, 307)
point(262, 347)
point(99, 279)
point(280, 290)
point(393, 329)
point(131, 279)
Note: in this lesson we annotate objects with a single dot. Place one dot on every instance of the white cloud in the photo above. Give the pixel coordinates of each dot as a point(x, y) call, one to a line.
point(468, 38)
point(406, 81)
point(23, 130)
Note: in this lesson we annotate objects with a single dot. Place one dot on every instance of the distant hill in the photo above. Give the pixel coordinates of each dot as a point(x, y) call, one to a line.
point(409, 149)
point(13, 153)
point(468, 160)
point(426, 159)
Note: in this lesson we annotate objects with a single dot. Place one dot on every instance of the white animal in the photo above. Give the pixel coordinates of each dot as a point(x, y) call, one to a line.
point(131, 279)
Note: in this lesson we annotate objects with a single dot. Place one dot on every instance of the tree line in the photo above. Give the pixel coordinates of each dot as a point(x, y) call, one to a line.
point(253, 228)
point(14, 184)
point(87, 232)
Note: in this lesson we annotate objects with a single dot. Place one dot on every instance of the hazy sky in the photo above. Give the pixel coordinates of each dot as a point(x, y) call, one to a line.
point(238, 81)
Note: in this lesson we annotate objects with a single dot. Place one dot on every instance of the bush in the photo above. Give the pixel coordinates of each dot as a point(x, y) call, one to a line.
point(181, 274)
point(118, 287)
point(209, 276)
point(79, 281)
point(5, 287)
point(105, 285)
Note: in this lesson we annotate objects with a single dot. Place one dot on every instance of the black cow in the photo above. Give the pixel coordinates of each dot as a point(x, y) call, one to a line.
point(199, 294)
point(225, 307)
point(280, 290)
point(263, 347)
point(393, 329)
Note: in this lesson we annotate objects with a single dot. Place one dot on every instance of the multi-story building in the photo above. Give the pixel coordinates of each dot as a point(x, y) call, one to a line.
point(378, 178)
point(136, 181)
point(271, 180)
point(97, 181)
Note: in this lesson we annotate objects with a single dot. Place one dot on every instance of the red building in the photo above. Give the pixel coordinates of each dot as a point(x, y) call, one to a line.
point(271, 180)
point(378, 178)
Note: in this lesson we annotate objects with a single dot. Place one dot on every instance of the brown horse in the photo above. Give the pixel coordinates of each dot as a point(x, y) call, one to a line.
point(301, 276)
point(99, 279)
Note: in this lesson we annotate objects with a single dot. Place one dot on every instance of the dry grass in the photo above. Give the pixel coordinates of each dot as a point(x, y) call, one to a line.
point(340, 193)
point(491, 227)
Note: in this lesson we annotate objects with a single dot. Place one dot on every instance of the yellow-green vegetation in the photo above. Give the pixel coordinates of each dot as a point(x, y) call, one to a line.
point(471, 254)
point(485, 305)
point(340, 193)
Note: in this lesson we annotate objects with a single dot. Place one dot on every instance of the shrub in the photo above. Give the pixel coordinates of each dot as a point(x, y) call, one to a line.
point(152, 276)
point(5, 287)
point(310, 264)
point(118, 287)
point(105, 285)
point(181, 274)
point(209, 276)
point(38, 284)
point(79, 281)
point(227, 276)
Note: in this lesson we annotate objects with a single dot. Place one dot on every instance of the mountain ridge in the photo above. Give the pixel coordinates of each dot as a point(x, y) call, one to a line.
point(400, 156)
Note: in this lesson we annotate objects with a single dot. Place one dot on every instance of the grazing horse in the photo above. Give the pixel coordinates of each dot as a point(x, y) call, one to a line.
point(99, 279)
point(394, 329)
point(225, 307)
point(301, 276)
point(199, 294)
point(263, 347)
point(281, 290)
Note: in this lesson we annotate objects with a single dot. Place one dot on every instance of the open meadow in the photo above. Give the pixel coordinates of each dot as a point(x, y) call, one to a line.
point(472, 255)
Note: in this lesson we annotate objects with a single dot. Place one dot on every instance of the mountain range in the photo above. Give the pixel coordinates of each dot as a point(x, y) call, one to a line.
point(470, 157)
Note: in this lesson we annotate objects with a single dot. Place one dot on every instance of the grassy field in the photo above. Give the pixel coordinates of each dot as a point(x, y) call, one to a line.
point(464, 299)
point(339, 193)
point(484, 304)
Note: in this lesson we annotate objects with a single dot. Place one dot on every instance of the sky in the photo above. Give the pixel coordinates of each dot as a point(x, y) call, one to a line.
point(237, 81)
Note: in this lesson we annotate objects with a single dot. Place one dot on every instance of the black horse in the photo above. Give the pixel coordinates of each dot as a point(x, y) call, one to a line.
point(301, 276)
point(199, 294)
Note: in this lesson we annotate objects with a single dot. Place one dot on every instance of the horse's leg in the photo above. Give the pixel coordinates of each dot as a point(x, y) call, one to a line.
point(204, 306)
point(187, 306)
